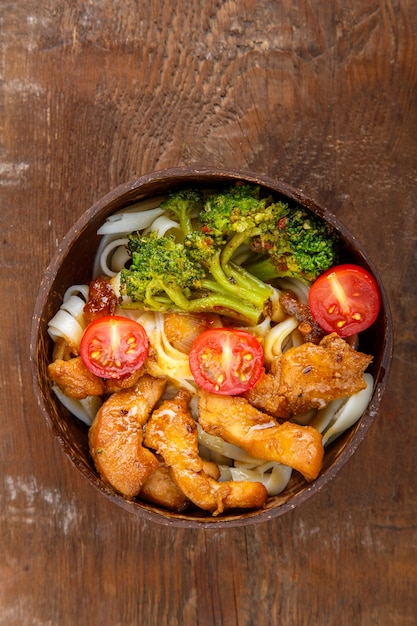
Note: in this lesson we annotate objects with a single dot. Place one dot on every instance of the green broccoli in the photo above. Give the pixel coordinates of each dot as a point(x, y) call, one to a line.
point(158, 266)
point(199, 271)
point(237, 209)
point(287, 241)
point(237, 214)
point(162, 276)
point(301, 246)
point(206, 252)
point(184, 206)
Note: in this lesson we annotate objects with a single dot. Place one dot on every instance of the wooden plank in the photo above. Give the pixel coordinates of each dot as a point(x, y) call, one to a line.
point(319, 94)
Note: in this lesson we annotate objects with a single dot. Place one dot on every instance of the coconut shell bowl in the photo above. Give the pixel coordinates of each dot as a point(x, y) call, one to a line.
point(72, 264)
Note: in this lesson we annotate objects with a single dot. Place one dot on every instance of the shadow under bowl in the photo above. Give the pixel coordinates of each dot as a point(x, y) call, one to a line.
point(72, 264)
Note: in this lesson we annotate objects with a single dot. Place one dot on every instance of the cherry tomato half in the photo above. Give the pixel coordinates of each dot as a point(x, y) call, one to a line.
point(345, 299)
point(226, 361)
point(114, 346)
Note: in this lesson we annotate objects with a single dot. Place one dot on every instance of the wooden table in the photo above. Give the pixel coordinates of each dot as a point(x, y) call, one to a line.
point(320, 94)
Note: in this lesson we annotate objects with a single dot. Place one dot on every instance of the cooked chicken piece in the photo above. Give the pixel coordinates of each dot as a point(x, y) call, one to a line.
point(159, 488)
point(309, 376)
point(210, 495)
point(182, 328)
point(216, 497)
point(234, 420)
point(117, 384)
point(74, 379)
point(172, 432)
point(116, 436)
point(265, 394)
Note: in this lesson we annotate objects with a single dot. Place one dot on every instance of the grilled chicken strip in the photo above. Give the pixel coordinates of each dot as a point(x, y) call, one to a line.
point(309, 376)
point(75, 380)
point(112, 385)
point(234, 420)
point(116, 435)
point(265, 395)
point(159, 488)
point(172, 432)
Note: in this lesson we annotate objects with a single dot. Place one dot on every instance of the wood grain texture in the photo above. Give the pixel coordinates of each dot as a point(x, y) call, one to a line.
point(320, 94)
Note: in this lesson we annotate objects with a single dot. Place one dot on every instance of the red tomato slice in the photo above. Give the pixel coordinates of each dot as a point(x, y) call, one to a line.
point(345, 299)
point(114, 346)
point(226, 361)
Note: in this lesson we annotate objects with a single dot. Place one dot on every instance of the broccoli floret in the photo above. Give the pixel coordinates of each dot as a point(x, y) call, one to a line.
point(238, 214)
point(240, 208)
point(158, 265)
point(302, 246)
point(287, 241)
point(200, 247)
point(184, 205)
point(205, 251)
point(234, 218)
point(163, 276)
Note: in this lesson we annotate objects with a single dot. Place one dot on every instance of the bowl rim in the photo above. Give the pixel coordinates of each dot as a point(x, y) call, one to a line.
point(150, 512)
